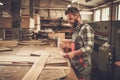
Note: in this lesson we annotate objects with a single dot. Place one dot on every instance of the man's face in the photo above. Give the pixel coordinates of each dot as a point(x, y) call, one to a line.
point(72, 19)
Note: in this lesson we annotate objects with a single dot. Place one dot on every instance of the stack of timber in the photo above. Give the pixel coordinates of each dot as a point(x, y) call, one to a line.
point(11, 43)
point(6, 45)
point(5, 49)
point(37, 42)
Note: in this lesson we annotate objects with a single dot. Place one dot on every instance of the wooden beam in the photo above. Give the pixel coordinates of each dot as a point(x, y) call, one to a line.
point(36, 69)
point(11, 43)
point(15, 64)
point(18, 59)
point(29, 59)
point(16, 19)
point(5, 49)
point(57, 67)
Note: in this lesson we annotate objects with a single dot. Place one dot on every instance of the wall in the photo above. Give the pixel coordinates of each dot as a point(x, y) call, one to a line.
point(6, 22)
point(25, 7)
point(57, 9)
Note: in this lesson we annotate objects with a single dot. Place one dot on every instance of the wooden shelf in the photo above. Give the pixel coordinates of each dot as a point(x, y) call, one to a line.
point(49, 25)
point(54, 25)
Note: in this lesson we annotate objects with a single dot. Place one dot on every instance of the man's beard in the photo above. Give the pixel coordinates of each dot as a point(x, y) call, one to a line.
point(75, 23)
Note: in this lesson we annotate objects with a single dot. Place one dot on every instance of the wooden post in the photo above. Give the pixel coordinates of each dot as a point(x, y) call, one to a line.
point(31, 13)
point(31, 8)
point(16, 19)
point(37, 4)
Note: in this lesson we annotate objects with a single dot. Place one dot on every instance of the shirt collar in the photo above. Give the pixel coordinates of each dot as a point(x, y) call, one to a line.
point(78, 27)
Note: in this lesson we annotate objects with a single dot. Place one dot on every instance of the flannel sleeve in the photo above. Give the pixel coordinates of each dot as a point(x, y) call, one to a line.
point(88, 39)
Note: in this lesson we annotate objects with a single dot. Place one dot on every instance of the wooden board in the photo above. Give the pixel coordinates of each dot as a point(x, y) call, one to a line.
point(16, 63)
point(27, 43)
point(5, 49)
point(54, 59)
point(28, 59)
point(52, 74)
point(36, 69)
point(11, 43)
point(17, 59)
point(26, 50)
point(57, 67)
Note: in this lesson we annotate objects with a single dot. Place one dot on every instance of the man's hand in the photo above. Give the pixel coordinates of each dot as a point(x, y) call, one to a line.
point(69, 55)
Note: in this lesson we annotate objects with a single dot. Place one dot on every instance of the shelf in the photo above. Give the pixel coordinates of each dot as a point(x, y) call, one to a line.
point(47, 19)
point(54, 24)
point(48, 25)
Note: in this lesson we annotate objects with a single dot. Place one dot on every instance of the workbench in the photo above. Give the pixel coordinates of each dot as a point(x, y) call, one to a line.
point(35, 62)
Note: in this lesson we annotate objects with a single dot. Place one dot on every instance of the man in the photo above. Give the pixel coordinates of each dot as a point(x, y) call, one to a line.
point(81, 45)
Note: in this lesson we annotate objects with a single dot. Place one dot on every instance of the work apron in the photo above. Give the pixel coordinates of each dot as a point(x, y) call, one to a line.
point(81, 63)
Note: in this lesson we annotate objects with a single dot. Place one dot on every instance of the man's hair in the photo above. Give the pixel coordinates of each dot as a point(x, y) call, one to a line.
point(72, 10)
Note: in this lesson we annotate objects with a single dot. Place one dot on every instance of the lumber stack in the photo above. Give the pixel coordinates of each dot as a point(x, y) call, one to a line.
point(11, 43)
point(5, 49)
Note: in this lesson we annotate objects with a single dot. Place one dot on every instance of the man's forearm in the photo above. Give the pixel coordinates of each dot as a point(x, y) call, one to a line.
point(77, 52)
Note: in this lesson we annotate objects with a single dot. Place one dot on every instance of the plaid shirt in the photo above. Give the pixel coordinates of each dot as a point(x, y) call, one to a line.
point(83, 37)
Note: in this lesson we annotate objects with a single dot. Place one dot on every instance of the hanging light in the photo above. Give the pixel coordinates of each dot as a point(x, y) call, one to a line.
point(73, 1)
point(1, 3)
point(69, 5)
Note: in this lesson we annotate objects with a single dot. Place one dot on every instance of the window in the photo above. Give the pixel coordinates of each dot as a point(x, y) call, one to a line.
point(97, 15)
point(119, 12)
point(105, 14)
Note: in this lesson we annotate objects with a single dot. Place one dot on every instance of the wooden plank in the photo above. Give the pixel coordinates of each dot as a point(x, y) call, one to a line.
point(56, 67)
point(36, 69)
point(31, 63)
point(16, 64)
point(32, 41)
point(27, 50)
point(29, 59)
point(18, 59)
point(52, 74)
point(5, 49)
point(11, 43)
point(23, 43)
point(4, 62)
point(56, 60)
